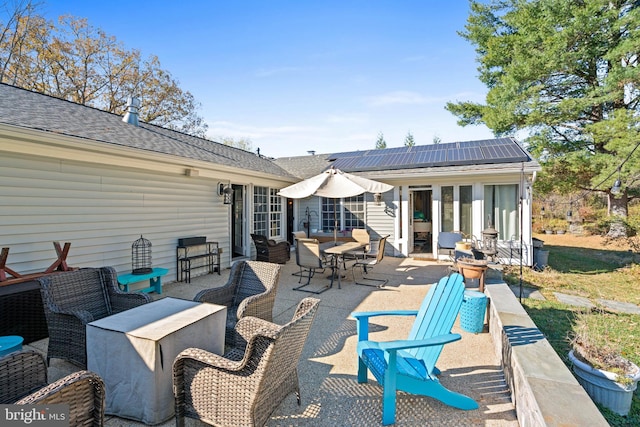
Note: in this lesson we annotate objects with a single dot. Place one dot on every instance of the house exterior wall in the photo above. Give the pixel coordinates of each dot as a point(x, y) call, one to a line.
point(101, 198)
point(378, 218)
point(394, 216)
point(508, 248)
point(101, 211)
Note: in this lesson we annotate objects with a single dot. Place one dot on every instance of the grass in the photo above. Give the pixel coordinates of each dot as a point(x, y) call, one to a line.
point(586, 267)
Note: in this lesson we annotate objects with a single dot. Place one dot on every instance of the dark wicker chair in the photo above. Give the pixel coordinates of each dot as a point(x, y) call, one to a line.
point(249, 291)
point(269, 251)
point(243, 387)
point(73, 299)
point(23, 381)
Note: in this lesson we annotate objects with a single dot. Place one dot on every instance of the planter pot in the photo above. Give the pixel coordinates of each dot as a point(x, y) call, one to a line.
point(559, 231)
point(602, 387)
point(540, 259)
point(548, 231)
point(463, 246)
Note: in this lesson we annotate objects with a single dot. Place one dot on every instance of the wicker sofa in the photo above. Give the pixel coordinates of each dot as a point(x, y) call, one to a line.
point(249, 291)
point(269, 251)
point(23, 381)
point(243, 387)
point(73, 299)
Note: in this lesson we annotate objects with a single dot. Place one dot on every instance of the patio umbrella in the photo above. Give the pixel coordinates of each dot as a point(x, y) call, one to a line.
point(333, 183)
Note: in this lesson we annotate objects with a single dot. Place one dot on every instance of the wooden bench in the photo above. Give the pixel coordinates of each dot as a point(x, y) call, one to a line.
point(155, 280)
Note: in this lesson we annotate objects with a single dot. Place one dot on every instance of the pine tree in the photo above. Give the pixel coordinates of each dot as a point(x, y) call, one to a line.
point(380, 142)
point(408, 140)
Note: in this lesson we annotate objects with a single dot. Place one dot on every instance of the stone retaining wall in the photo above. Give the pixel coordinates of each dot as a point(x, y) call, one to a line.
point(543, 390)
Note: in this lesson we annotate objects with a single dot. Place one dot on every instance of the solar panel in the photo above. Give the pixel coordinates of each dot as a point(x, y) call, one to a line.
point(369, 161)
point(464, 155)
point(486, 151)
point(345, 163)
point(400, 159)
point(335, 156)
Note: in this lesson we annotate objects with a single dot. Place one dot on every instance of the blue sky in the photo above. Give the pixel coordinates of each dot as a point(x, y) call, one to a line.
point(294, 76)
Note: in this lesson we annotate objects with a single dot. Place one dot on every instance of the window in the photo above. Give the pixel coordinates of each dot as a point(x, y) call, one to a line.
point(347, 212)
point(260, 211)
point(446, 208)
point(330, 215)
point(466, 202)
point(267, 212)
point(354, 212)
point(501, 208)
point(275, 214)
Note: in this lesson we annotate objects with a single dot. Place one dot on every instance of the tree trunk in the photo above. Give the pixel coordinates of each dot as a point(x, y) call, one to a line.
point(618, 211)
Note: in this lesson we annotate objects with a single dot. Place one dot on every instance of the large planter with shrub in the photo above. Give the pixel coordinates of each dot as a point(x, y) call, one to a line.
point(605, 387)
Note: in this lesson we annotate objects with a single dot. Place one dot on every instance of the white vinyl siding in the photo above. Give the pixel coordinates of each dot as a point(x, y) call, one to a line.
point(101, 211)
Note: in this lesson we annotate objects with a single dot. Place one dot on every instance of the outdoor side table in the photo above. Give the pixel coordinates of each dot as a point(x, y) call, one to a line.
point(133, 351)
point(10, 343)
point(474, 305)
point(155, 280)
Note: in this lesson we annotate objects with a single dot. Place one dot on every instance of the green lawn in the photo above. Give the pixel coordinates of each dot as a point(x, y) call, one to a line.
point(594, 273)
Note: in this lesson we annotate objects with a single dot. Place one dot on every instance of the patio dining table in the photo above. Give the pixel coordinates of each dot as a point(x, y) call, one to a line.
point(334, 250)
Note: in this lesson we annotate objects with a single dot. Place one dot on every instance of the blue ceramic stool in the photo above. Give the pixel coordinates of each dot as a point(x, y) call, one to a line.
point(10, 343)
point(474, 305)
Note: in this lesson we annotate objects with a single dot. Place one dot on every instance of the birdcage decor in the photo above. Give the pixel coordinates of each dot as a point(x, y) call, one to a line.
point(141, 256)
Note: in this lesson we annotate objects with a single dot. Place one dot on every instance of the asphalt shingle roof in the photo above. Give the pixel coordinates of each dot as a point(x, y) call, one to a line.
point(20, 107)
point(23, 108)
point(304, 166)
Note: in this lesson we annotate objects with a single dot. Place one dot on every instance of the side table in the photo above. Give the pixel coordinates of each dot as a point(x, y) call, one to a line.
point(10, 344)
point(155, 280)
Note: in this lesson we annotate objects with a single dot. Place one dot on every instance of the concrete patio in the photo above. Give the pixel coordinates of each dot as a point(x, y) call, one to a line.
point(331, 395)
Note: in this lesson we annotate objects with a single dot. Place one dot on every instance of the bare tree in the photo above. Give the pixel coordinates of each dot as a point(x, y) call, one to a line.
point(78, 62)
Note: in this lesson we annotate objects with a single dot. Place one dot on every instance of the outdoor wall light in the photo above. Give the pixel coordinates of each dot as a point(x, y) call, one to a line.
point(377, 198)
point(227, 194)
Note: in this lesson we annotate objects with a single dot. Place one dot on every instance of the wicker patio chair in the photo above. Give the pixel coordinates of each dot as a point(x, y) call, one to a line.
point(73, 299)
point(243, 387)
point(249, 291)
point(270, 251)
point(23, 381)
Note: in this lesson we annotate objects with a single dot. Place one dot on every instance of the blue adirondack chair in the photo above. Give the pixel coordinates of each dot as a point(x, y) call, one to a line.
point(410, 365)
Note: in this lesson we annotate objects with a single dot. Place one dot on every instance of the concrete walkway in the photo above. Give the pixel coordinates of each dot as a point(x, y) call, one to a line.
point(578, 301)
point(331, 395)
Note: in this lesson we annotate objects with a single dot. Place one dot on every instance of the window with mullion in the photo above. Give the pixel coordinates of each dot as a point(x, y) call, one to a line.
point(354, 212)
point(275, 214)
point(348, 212)
point(330, 214)
point(260, 211)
